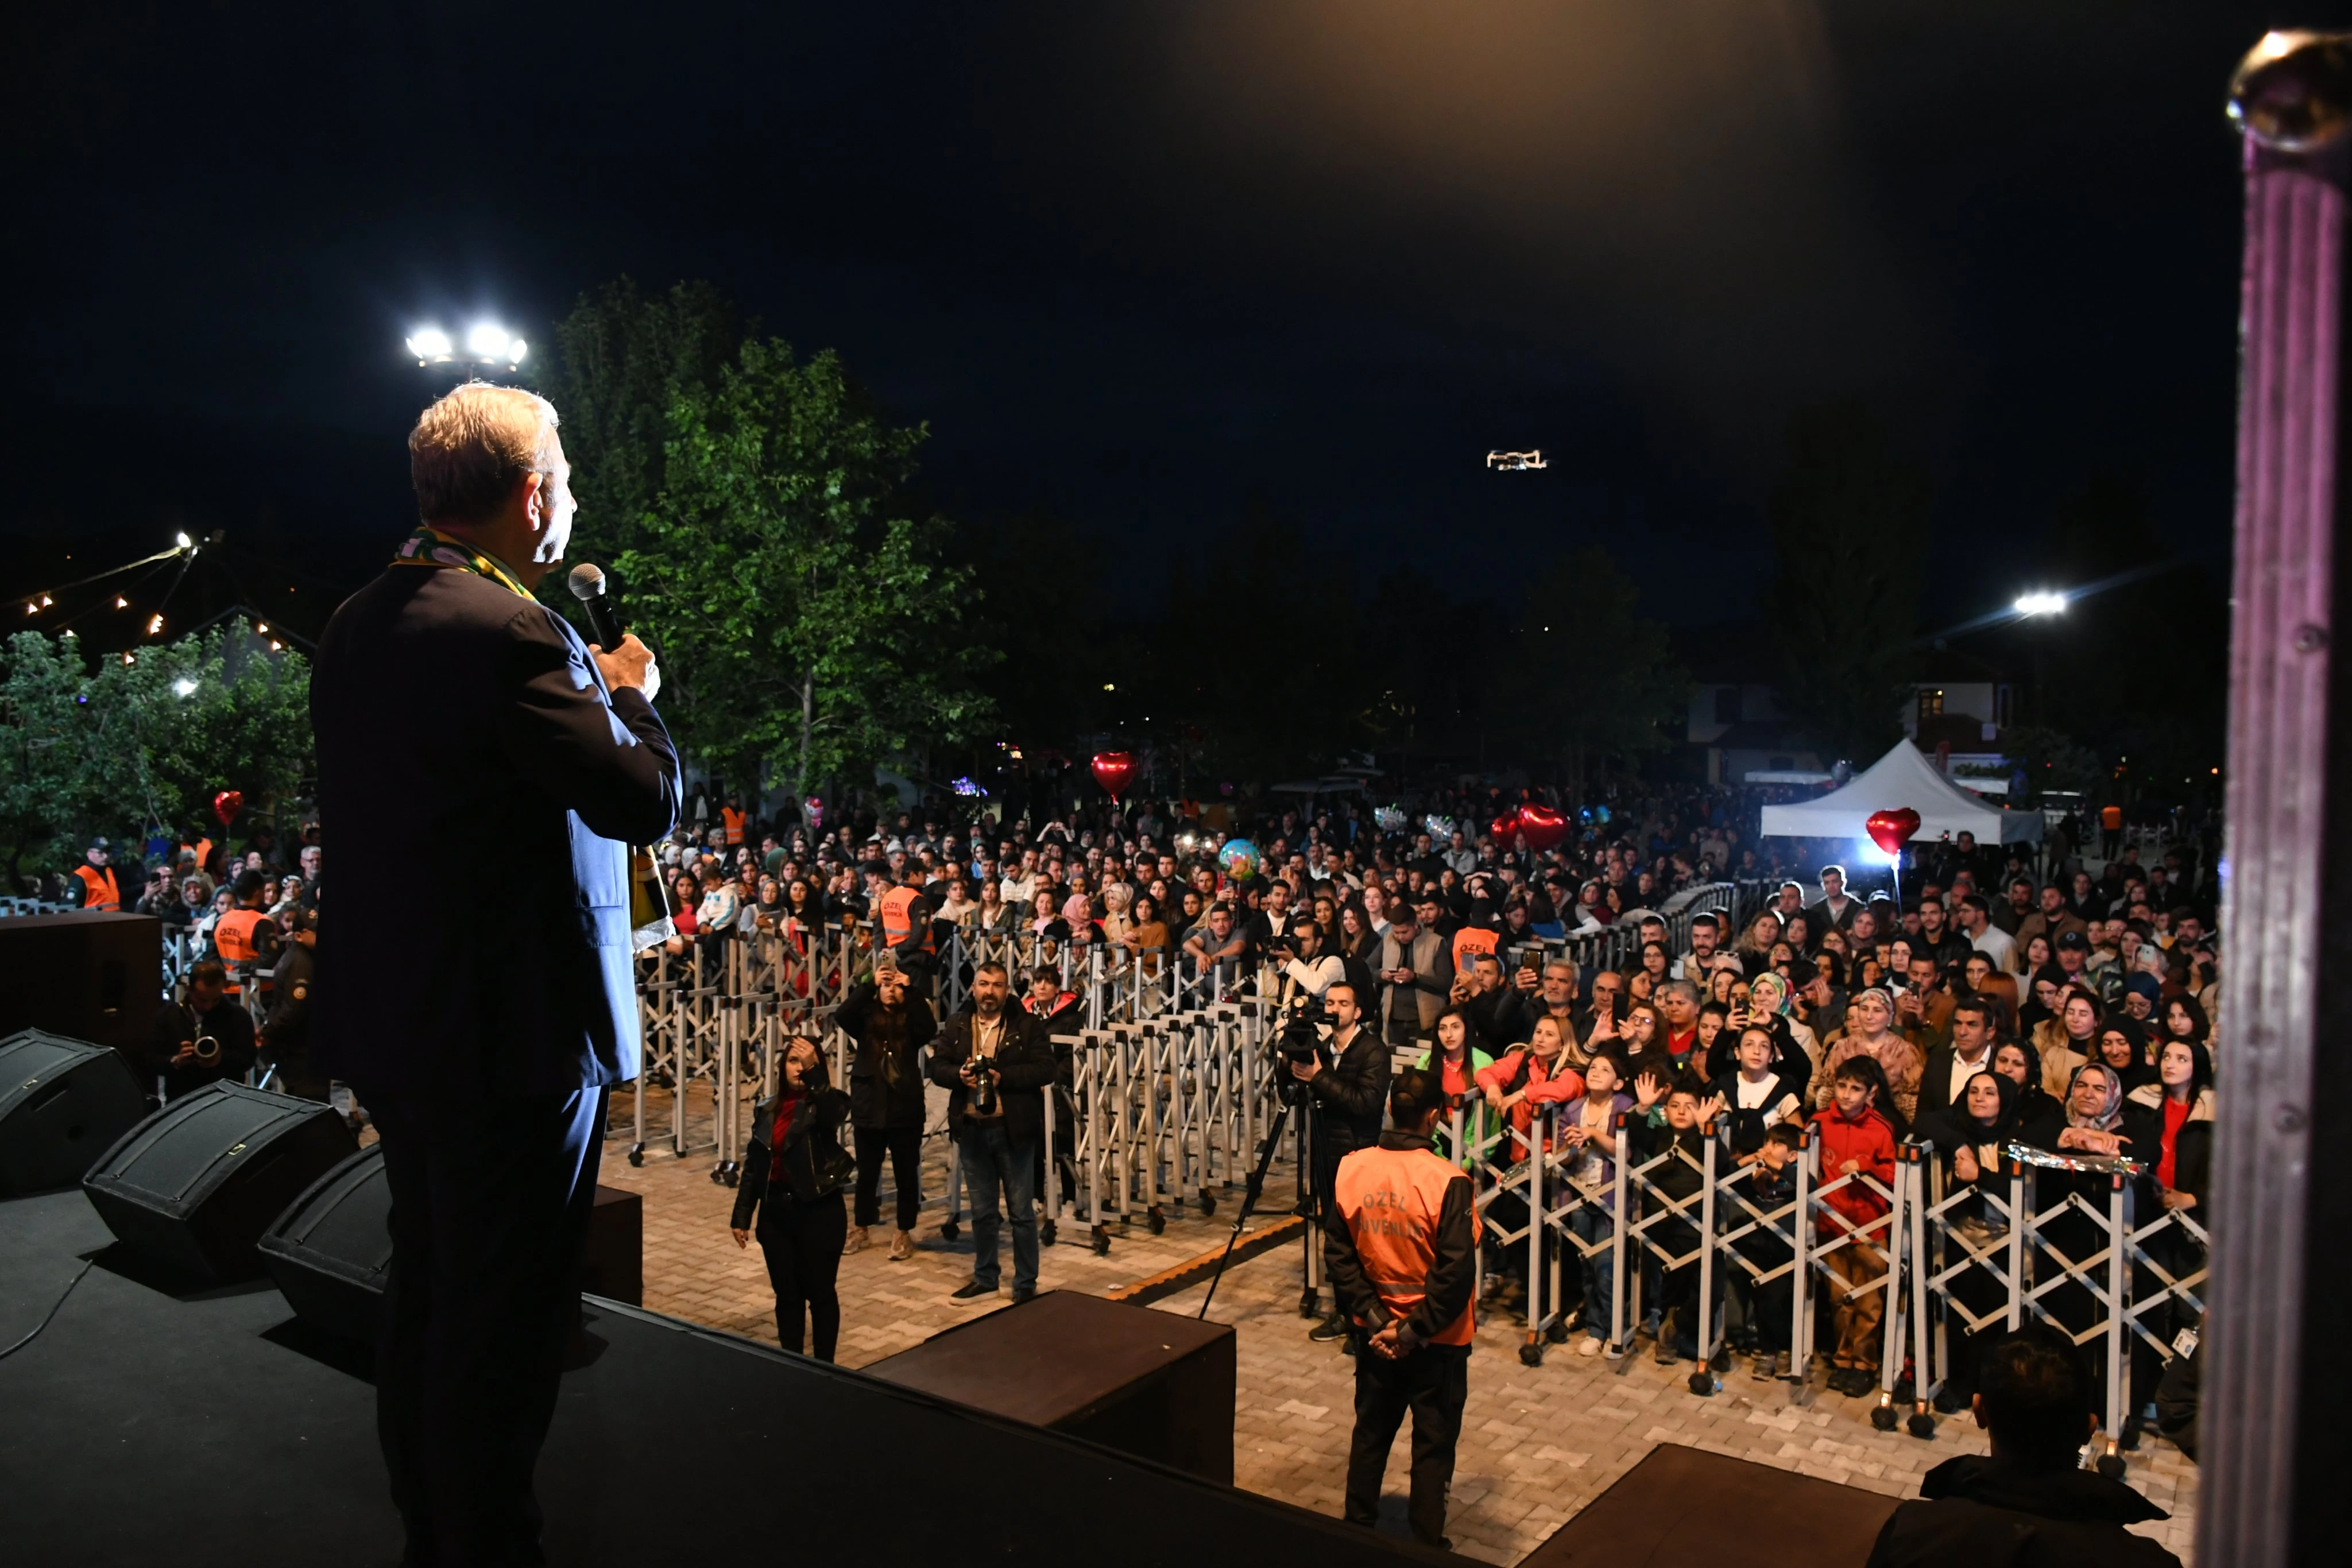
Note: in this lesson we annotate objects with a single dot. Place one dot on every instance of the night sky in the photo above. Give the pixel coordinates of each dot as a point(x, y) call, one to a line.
point(1156, 269)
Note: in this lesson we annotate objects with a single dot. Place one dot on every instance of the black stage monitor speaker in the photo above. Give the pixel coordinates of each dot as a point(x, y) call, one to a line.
point(331, 1251)
point(63, 1102)
point(193, 1186)
point(96, 976)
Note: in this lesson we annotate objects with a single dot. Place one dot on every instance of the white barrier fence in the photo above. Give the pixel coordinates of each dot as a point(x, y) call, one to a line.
point(2046, 1237)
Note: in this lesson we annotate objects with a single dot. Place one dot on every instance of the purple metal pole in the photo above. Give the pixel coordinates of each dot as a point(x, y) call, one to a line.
point(2273, 1388)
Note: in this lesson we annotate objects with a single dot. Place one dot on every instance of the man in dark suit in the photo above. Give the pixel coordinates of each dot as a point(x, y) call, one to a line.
point(449, 705)
point(1949, 1067)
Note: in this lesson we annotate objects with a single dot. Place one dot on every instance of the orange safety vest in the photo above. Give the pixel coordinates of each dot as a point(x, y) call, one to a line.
point(2111, 818)
point(233, 939)
point(732, 820)
point(98, 888)
point(897, 925)
point(1391, 1201)
point(1471, 939)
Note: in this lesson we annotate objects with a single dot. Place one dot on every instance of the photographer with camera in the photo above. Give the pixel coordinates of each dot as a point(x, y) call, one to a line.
point(1344, 1100)
point(1401, 1239)
point(995, 1062)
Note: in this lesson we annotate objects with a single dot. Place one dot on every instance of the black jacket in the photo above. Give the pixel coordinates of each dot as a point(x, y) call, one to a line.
point(1452, 1276)
point(443, 701)
point(1749, 1128)
point(815, 1166)
point(1025, 1065)
point(885, 1081)
point(1352, 1095)
point(1977, 1512)
point(228, 1025)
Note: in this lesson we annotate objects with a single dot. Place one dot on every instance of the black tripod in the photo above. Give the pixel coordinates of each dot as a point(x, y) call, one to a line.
point(1253, 1187)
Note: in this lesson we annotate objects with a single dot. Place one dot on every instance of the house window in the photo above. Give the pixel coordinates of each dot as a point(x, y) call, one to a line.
point(1931, 702)
point(1727, 705)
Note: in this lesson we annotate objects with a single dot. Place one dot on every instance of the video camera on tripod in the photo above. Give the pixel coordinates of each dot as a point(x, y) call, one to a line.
point(1301, 1035)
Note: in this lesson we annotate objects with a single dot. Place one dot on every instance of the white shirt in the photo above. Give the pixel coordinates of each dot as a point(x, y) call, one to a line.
point(1997, 945)
point(1964, 1070)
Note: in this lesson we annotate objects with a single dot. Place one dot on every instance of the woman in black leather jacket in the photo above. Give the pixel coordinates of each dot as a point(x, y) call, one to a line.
point(793, 1176)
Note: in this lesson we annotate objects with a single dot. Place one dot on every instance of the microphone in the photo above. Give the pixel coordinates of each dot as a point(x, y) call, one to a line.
point(588, 586)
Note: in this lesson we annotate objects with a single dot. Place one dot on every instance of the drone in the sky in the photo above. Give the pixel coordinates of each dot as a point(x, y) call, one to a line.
point(1510, 462)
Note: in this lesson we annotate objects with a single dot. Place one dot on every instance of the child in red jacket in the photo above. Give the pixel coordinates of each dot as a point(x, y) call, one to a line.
point(1857, 1136)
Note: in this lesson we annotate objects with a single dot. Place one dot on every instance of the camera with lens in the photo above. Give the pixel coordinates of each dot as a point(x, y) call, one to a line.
point(1299, 1039)
point(981, 1103)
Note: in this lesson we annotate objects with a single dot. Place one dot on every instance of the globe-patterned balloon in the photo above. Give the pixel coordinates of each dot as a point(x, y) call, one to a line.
point(1240, 858)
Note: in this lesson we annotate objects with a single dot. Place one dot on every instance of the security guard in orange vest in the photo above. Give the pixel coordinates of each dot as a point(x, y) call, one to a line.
point(1400, 1244)
point(96, 879)
point(905, 918)
point(244, 938)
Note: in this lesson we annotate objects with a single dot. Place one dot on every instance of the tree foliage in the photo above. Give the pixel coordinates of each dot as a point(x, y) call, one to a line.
point(1848, 520)
point(1610, 683)
point(125, 747)
point(806, 621)
point(621, 358)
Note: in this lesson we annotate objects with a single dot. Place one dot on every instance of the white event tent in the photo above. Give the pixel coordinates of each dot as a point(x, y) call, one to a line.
point(1903, 777)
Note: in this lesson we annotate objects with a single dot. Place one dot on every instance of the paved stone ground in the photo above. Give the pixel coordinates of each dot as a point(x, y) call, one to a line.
point(1537, 1442)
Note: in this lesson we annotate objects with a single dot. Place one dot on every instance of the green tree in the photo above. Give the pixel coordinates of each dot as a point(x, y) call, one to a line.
point(621, 358)
point(143, 741)
point(806, 622)
point(1611, 685)
point(1847, 524)
point(50, 781)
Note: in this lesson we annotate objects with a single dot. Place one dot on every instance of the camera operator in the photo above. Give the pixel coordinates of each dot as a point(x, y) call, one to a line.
point(204, 1039)
point(1344, 1100)
point(1401, 1243)
point(890, 1029)
point(1304, 968)
point(994, 1061)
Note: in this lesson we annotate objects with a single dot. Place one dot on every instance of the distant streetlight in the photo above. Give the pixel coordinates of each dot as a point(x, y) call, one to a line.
point(2032, 605)
point(486, 343)
point(184, 686)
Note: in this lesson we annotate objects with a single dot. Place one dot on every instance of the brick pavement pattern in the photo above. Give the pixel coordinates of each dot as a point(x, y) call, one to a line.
point(1537, 1443)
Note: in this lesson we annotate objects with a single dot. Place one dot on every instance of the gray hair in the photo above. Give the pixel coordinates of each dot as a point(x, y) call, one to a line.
point(1681, 988)
point(471, 446)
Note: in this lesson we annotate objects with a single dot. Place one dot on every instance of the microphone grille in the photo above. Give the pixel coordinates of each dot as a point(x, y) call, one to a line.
point(587, 581)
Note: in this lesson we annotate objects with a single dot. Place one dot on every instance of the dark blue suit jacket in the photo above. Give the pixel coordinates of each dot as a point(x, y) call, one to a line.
point(478, 794)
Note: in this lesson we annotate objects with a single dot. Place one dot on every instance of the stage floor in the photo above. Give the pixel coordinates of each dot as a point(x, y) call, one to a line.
point(144, 1427)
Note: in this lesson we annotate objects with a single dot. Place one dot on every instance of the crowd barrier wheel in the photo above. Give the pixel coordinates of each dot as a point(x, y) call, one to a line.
point(636, 1153)
point(1531, 1352)
point(1208, 1203)
point(1921, 1424)
point(1155, 1219)
point(950, 1230)
point(1703, 1383)
point(1882, 1415)
point(1556, 1333)
point(2111, 1465)
point(1045, 1233)
point(1101, 1242)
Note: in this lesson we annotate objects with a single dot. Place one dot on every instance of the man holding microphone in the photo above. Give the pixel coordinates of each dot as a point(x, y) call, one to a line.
point(1399, 1243)
point(448, 701)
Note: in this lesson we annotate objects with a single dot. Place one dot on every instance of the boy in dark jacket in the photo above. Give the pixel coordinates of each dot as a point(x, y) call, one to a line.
point(1771, 1187)
point(1673, 1180)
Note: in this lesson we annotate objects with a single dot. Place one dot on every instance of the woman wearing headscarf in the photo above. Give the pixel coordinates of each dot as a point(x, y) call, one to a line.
point(1969, 1136)
point(2036, 1115)
point(1874, 1036)
point(1768, 1003)
point(2122, 1046)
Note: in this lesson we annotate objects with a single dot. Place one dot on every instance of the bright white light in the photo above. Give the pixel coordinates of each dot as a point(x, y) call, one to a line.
point(1870, 853)
point(155, 624)
point(2040, 604)
point(516, 350)
point(263, 629)
point(184, 686)
point(487, 340)
point(429, 343)
point(183, 541)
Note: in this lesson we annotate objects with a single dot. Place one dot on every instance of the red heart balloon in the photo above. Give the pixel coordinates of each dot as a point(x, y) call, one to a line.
point(1543, 826)
point(1114, 770)
point(1502, 827)
point(226, 805)
point(1890, 830)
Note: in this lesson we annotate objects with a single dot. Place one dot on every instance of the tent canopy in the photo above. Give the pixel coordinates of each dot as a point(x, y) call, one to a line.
point(1903, 777)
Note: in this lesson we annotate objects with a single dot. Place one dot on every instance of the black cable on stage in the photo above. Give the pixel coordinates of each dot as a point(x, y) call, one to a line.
point(51, 1313)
